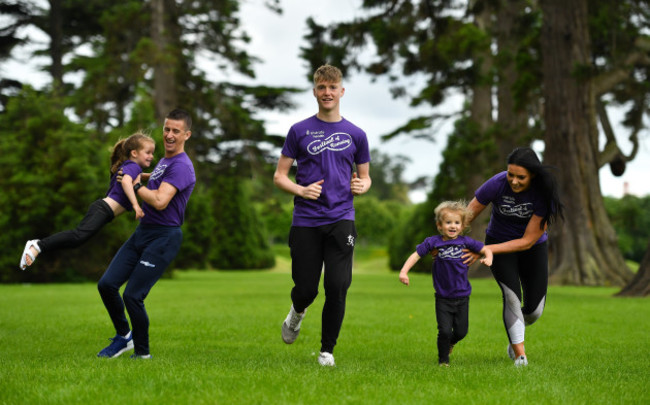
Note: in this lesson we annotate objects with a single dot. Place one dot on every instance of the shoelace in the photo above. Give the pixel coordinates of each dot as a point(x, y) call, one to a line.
point(295, 321)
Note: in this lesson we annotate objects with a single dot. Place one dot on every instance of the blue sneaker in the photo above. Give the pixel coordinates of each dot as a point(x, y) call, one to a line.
point(136, 356)
point(118, 346)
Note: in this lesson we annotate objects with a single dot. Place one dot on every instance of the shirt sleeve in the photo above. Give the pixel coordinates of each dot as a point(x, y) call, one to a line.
point(132, 169)
point(290, 148)
point(362, 154)
point(178, 175)
point(488, 190)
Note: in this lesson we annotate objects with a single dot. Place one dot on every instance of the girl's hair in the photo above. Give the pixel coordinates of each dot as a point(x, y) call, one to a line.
point(459, 207)
point(328, 73)
point(123, 147)
point(542, 179)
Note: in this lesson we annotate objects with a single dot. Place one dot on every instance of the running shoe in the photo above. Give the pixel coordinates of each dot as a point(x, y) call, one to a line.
point(136, 356)
point(118, 346)
point(326, 359)
point(291, 326)
point(521, 361)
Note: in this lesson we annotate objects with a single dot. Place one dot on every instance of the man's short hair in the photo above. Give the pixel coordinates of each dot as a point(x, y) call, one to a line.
point(180, 115)
point(328, 73)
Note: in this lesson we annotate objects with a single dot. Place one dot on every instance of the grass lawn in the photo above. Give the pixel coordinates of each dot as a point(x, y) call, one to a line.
point(215, 338)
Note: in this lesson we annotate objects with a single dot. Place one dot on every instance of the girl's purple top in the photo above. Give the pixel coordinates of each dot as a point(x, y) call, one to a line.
point(511, 211)
point(179, 172)
point(115, 190)
point(449, 272)
point(325, 151)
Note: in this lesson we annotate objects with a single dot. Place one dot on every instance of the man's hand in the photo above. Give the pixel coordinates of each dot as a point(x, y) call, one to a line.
point(312, 191)
point(357, 185)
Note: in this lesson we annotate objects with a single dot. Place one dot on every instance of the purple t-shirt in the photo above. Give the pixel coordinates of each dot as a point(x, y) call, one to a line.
point(179, 172)
point(325, 151)
point(449, 272)
point(511, 211)
point(115, 190)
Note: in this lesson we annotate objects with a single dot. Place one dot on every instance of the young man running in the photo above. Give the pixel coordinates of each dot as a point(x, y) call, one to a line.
point(325, 147)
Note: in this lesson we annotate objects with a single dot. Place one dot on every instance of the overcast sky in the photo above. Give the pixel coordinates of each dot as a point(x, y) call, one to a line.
point(276, 39)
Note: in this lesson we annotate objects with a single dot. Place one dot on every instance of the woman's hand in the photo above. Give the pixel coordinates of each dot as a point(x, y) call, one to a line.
point(470, 257)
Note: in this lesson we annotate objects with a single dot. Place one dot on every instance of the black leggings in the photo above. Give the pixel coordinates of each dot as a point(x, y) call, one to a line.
point(99, 214)
point(520, 274)
point(452, 316)
point(333, 246)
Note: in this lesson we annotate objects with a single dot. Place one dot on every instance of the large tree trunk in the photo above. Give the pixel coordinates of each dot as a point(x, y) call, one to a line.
point(165, 62)
point(481, 113)
point(640, 284)
point(512, 119)
point(583, 249)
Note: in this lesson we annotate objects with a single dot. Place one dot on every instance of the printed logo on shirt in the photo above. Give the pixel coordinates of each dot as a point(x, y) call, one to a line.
point(316, 134)
point(147, 264)
point(451, 252)
point(335, 142)
point(350, 240)
point(509, 208)
point(158, 172)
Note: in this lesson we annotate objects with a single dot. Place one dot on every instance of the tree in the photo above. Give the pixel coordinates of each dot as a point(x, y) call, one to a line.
point(640, 284)
point(51, 169)
point(584, 250)
point(131, 54)
point(495, 48)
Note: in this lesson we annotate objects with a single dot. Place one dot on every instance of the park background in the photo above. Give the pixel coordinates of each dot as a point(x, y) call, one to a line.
point(445, 89)
point(453, 87)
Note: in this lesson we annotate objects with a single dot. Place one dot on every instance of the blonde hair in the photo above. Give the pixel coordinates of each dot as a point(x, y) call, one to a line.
point(459, 207)
point(328, 73)
point(123, 147)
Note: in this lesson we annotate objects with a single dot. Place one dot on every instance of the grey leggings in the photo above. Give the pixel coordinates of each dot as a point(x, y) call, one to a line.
point(521, 275)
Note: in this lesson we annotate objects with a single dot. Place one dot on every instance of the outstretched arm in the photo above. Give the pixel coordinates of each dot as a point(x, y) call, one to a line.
point(410, 262)
point(487, 256)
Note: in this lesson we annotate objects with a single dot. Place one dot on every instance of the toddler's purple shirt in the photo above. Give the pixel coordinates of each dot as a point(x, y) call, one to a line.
point(179, 172)
point(115, 190)
point(450, 278)
point(511, 211)
point(325, 151)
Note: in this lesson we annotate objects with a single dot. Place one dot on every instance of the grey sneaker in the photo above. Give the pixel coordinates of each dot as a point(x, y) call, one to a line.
point(291, 326)
point(326, 359)
point(511, 352)
point(521, 361)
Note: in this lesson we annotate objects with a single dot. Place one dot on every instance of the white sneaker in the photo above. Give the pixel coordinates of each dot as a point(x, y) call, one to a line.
point(521, 361)
point(326, 359)
point(291, 326)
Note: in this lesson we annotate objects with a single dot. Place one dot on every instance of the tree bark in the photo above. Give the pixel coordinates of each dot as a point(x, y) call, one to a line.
point(583, 249)
point(481, 113)
point(164, 64)
point(640, 284)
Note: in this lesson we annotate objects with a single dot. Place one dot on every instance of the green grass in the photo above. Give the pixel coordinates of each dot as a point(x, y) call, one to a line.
point(215, 338)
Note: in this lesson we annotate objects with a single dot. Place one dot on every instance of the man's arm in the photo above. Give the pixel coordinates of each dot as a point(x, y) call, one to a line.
point(159, 199)
point(361, 180)
point(283, 182)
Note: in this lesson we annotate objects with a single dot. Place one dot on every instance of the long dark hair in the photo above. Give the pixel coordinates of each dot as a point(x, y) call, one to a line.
point(123, 147)
point(542, 180)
